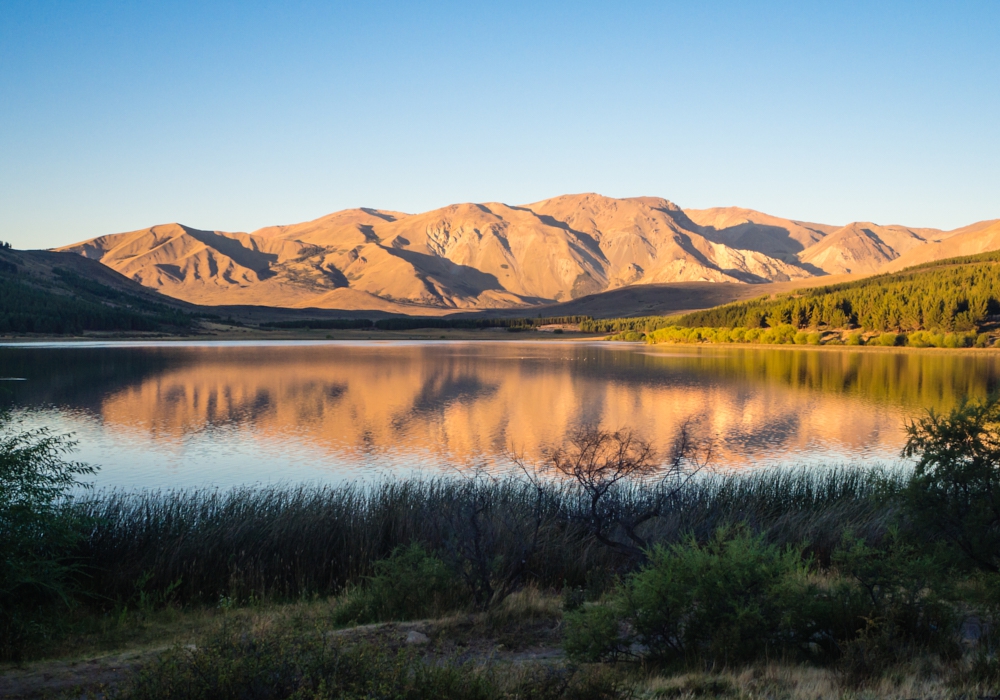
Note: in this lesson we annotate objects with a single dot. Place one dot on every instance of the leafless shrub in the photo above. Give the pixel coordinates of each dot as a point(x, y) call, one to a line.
point(623, 482)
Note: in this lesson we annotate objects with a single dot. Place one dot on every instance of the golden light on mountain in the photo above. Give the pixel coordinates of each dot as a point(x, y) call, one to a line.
point(491, 255)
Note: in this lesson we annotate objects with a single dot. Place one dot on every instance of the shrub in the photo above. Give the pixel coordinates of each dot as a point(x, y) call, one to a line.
point(595, 632)
point(954, 493)
point(897, 607)
point(410, 584)
point(854, 339)
point(889, 339)
point(801, 338)
point(38, 528)
point(735, 598)
point(920, 339)
point(814, 338)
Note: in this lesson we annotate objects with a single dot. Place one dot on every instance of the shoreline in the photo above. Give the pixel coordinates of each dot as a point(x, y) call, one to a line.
point(440, 334)
point(429, 334)
point(813, 348)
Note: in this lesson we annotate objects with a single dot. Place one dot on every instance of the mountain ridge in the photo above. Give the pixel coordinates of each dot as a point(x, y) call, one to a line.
point(490, 255)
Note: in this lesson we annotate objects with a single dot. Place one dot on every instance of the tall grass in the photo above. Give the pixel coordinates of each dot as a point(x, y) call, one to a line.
point(287, 542)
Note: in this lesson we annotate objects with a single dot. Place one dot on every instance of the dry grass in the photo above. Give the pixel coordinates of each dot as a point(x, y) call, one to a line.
point(925, 679)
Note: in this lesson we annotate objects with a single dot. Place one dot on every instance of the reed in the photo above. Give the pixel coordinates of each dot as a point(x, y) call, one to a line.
point(280, 543)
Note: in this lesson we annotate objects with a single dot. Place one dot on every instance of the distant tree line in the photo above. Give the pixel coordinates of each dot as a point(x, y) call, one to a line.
point(407, 323)
point(957, 295)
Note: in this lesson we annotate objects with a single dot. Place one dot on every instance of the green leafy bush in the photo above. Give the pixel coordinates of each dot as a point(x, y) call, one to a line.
point(954, 494)
point(595, 632)
point(410, 584)
point(38, 528)
point(893, 603)
point(734, 598)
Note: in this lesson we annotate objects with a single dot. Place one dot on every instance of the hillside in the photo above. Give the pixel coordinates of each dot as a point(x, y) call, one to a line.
point(492, 256)
point(58, 293)
point(952, 295)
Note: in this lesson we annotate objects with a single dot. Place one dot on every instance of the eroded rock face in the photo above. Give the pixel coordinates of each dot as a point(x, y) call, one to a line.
point(471, 256)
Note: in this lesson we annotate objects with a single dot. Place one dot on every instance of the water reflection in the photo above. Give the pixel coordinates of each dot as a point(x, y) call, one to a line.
point(189, 415)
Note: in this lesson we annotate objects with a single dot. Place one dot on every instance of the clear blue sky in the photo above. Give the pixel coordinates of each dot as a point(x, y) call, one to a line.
point(115, 116)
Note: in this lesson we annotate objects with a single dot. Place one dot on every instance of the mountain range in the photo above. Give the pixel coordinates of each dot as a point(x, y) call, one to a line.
point(494, 256)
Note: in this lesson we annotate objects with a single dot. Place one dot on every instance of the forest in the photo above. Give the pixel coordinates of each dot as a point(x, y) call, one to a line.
point(958, 295)
point(70, 304)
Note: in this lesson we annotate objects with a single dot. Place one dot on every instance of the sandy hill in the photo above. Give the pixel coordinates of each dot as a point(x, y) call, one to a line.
point(980, 237)
point(477, 256)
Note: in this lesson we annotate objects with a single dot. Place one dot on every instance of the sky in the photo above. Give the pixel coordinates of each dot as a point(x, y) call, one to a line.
point(116, 116)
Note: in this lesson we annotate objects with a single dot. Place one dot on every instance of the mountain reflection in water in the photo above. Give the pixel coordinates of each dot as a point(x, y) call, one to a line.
point(175, 415)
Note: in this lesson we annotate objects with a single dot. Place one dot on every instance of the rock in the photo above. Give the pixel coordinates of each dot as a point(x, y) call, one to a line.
point(415, 637)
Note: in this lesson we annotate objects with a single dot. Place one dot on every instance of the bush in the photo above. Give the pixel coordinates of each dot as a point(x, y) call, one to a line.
point(595, 632)
point(38, 529)
point(889, 339)
point(920, 339)
point(954, 494)
point(410, 584)
point(893, 605)
point(733, 599)
point(854, 339)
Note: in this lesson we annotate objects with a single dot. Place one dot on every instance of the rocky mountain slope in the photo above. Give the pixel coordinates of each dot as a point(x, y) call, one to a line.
point(492, 255)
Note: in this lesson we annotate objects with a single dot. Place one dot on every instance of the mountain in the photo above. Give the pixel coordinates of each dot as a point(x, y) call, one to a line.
point(980, 237)
point(496, 256)
point(752, 230)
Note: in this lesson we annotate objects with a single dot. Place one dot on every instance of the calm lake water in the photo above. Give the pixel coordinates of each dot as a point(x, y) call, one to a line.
point(218, 414)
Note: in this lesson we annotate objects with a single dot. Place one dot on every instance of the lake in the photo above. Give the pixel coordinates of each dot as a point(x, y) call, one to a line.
point(164, 415)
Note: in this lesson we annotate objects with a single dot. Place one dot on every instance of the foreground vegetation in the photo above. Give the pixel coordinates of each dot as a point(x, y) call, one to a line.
point(637, 572)
point(949, 303)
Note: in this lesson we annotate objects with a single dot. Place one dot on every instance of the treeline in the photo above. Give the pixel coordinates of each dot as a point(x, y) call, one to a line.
point(787, 334)
point(958, 295)
point(75, 305)
point(408, 323)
